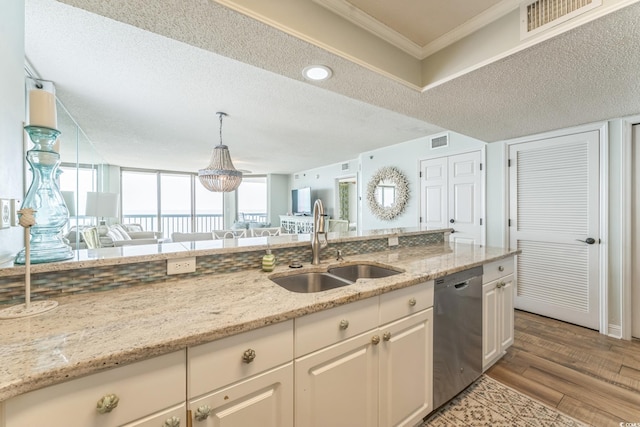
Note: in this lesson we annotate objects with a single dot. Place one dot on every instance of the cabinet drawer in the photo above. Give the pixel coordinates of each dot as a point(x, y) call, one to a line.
point(143, 388)
point(327, 327)
point(220, 363)
point(496, 269)
point(157, 420)
point(403, 302)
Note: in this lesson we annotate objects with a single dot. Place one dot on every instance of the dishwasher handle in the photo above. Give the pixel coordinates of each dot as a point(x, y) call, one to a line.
point(462, 285)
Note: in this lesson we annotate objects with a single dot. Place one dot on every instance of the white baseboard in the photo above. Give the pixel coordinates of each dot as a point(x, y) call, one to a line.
point(615, 331)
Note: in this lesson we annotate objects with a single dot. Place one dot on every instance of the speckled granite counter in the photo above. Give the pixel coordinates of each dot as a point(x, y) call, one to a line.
point(91, 332)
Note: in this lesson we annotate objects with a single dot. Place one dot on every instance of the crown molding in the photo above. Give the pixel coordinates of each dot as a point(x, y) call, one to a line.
point(356, 16)
point(351, 13)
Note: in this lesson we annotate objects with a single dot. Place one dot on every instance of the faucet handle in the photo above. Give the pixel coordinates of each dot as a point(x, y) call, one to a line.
point(339, 256)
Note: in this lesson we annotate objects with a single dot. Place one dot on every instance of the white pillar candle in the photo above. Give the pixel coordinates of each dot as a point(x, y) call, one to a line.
point(42, 109)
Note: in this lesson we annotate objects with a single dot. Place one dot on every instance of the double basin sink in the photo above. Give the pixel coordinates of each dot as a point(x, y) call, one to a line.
point(334, 277)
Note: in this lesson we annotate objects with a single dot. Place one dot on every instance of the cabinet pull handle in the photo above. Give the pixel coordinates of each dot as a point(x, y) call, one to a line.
point(202, 413)
point(344, 324)
point(107, 403)
point(386, 336)
point(500, 268)
point(248, 356)
point(375, 340)
point(500, 285)
point(171, 422)
point(412, 302)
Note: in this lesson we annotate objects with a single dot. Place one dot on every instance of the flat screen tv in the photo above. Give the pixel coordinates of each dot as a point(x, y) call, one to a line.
point(301, 201)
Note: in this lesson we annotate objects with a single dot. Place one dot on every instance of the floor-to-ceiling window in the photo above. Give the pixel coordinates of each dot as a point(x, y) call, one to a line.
point(252, 199)
point(169, 202)
point(75, 181)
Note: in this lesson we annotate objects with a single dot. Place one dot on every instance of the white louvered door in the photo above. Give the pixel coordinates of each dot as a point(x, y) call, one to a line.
point(554, 211)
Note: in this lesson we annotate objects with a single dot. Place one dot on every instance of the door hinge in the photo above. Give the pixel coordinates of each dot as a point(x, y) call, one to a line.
point(480, 221)
point(420, 219)
point(509, 163)
point(480, 166)
point(509, 223)
point(420, 174)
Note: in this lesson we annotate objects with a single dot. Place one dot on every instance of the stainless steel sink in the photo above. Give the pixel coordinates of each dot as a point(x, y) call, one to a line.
point(310, 282)
point(362, 271)
point(336, 277)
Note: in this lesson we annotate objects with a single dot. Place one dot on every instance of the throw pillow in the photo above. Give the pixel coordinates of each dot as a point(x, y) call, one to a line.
point(120, 229)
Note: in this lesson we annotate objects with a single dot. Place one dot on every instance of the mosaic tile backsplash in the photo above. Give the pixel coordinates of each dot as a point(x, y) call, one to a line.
point(95, 279)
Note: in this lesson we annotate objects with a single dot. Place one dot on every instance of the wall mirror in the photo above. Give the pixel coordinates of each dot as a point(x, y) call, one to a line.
point(387, 193)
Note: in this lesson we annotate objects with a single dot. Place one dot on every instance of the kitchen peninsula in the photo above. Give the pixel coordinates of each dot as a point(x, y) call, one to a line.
point(101, 333)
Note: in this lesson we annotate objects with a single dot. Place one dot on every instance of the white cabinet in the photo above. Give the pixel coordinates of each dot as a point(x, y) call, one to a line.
point(406, 370)
point(146, 393)
point(242, 380)
point(338, 386)
point(379, 377)
point(497, 310)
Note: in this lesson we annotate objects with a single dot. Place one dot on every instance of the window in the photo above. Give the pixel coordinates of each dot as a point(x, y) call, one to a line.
point(209, 215)
point(169, 202)
point(252, 199)
point(78, 181)
point(140, 198)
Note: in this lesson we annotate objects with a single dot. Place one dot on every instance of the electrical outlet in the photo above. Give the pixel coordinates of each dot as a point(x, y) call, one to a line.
point(5, 213)
point(393, 241)
point(15, 207)
point(182, 265)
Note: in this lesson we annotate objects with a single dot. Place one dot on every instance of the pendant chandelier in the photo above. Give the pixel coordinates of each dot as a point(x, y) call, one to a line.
point(220, 176)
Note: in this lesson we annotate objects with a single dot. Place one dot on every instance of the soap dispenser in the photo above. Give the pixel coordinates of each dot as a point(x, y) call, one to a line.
point(268, 261)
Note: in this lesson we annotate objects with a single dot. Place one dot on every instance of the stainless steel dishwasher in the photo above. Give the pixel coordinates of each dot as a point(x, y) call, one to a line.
point(457, 333)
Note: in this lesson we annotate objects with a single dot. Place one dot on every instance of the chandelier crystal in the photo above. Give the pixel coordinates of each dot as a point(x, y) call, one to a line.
point(220, 176)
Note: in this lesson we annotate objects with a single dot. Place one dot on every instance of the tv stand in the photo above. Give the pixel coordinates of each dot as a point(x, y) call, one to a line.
point(296, 224)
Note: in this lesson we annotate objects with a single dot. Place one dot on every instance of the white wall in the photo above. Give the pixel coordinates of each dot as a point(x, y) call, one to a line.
point(406, 157)
point(12, 115)
point(323, 184)
point(278, 194)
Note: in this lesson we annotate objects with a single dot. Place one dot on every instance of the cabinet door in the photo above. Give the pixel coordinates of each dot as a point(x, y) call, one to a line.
point(506, 311)
point(406, 370)
point(490, 323)
point(265, 400)
point(338, 386)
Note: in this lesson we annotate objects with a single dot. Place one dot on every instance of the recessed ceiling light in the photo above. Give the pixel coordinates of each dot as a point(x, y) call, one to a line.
point(317, 72)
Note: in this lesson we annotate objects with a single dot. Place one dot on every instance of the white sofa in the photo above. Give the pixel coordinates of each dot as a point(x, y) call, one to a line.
point(116, 235)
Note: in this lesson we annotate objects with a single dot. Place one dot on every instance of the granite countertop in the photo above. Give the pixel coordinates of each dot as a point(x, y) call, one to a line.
point(88, 333)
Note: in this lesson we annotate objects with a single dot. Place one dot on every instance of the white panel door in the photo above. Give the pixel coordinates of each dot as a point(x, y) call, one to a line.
point(635, 282)
point(435, 190)
point(451, 195)
point(554, 214)
point(465, 185)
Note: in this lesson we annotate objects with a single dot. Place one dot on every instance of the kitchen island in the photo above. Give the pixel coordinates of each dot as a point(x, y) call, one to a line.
point(93, 332)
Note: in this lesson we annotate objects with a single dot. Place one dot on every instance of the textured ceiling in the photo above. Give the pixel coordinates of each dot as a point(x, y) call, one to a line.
point(146, 93)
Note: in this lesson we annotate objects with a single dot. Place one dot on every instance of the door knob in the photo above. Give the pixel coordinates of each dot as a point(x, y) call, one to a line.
point(588, 240)
point(452, 220)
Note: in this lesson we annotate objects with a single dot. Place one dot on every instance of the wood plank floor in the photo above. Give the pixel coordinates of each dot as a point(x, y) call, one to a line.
point(591, 377)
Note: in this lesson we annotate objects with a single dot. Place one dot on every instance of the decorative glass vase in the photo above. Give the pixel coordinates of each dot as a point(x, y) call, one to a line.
point(45, 198)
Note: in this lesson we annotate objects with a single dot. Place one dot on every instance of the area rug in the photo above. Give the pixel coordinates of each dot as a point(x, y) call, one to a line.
point(487, 402)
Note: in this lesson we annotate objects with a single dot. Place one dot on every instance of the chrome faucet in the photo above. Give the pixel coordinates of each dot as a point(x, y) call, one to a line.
point(318, 228)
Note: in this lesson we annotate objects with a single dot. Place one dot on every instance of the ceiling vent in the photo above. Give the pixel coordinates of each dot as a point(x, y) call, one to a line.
point(440, 141)
point(538, 15)
point(345, 167)
point(296, 176)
